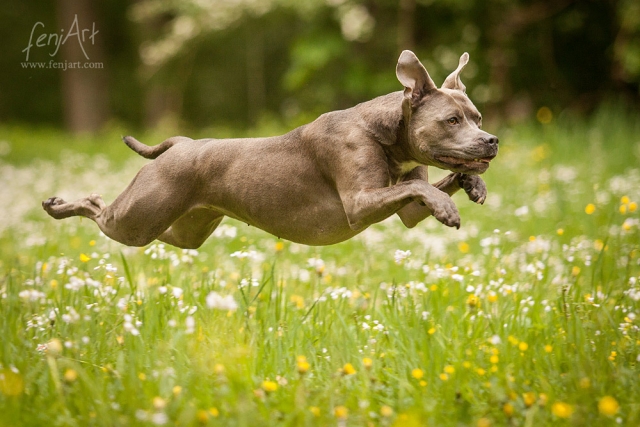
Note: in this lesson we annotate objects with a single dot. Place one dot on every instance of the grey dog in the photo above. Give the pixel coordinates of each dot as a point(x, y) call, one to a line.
point(319, 184)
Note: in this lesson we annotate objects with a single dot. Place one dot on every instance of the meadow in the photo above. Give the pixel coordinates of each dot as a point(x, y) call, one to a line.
point(526, 316)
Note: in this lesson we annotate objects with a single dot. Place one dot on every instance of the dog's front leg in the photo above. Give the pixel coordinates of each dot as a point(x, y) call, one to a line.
point(473, 185)
point(369, 206)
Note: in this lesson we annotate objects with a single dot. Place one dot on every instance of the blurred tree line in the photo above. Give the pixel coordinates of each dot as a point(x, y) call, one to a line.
point(207, 63)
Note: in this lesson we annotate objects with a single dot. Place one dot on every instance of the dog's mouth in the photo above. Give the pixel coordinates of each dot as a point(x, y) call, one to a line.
point(475, 164)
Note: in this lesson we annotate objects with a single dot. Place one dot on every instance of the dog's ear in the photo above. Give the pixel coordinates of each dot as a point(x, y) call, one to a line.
point(414, 77)
point(453, 81)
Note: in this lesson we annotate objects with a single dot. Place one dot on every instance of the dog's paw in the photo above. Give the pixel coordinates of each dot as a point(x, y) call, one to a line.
point(443, 209)
point(475, 188)
point(52, 201)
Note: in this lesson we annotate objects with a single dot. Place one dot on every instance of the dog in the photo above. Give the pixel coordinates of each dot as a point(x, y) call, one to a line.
point(321, 183)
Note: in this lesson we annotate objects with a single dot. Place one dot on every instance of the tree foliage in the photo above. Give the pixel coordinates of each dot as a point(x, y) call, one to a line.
point(199, 63)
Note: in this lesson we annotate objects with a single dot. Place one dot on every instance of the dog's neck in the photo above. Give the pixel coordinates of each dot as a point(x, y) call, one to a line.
point(386, 123)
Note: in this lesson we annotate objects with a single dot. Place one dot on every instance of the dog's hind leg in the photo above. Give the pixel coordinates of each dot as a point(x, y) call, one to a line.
point(144, 210)
point(89, 206)
point(192, 229)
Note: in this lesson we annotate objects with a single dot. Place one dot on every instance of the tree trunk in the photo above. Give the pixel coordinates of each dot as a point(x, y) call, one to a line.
point(84, 91)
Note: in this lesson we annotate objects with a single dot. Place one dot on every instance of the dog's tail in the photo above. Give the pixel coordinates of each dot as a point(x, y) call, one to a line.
point(151, 152)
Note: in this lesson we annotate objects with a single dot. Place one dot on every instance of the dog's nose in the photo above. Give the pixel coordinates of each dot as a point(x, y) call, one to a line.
point(490, 139)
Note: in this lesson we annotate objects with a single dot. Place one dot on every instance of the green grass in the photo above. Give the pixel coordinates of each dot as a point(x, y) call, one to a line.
point(524, 316)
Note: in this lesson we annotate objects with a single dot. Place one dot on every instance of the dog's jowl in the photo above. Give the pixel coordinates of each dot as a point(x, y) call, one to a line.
point(319, 184)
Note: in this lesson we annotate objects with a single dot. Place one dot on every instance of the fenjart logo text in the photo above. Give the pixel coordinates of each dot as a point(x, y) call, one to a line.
point(54, 40)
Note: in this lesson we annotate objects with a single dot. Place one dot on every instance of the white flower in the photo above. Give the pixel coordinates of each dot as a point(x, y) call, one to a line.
point(495, 340)
point(31, 294)
point(190, 323)
point(245, 254)
point(159, 418)
point(521, 211)
point(177, 292)
point(457, 277)
point(365, 326)
point(401, 255)
point(216, 301)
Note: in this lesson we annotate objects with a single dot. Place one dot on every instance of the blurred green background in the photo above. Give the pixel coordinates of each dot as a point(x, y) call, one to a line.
point(199, 67)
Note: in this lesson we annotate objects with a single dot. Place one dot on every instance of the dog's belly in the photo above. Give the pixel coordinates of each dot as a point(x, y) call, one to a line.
point(316, 224)
point(314, 218)
point(311, 226)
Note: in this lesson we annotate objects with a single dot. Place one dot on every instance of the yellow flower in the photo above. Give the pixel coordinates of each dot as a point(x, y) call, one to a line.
point(633, 206)
point(70, 375)
point(575, 271)
point(529, 398)
point(367, 362)
point(507, 408)
point(560, 231)
point(608, 406)
point(142, 376)
point(590, 208)
point(348, 369)
point(386, 411)
point(466, 364)
point(463, 247)
point(158, 402)
point(481, 371)
point(494, 359)
point(302, 364)
point(279, 246)
point(213, 411)
point(484, 422)
point(84, 258)
point(417, 373)
point(623, 209)
point(422, 383)
point(472, 300)
point(298, 301)
point(176, 390)
point(269, 386)
point(431, 331)
point(341, 412)
point(562, 410)
point(433, 288)
point(314, 410)
point(444, 377)
point(612, 356)
point(548, 348)
point(624, 200)
point(492, 297)
point(523, 346)
point(218, 368)
point(449, 369)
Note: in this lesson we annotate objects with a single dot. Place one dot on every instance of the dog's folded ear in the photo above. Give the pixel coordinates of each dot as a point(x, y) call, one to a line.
point(453, 81)
point(414, 77)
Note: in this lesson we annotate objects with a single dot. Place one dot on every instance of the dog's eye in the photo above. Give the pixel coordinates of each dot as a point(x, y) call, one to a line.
point(453, 121)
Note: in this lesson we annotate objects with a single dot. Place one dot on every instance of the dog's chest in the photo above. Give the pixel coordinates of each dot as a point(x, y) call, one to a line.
point(399, 169)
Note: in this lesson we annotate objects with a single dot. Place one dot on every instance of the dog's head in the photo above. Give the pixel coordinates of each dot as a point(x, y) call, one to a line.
point(443, 125)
